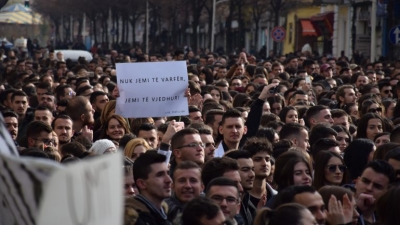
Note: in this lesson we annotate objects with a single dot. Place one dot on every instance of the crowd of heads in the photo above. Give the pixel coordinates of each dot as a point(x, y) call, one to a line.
point(283, 140)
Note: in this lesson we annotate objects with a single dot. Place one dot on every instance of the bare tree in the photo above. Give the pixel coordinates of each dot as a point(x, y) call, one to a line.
point(257, 8)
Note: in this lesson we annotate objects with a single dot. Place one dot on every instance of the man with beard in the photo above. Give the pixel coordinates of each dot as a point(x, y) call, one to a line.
point(48, 100)
point(20, 105)
point(62, 125)
point(81, 112)
point(11, 122)
point(39, 135)
point(98, 99)
point(246, 171)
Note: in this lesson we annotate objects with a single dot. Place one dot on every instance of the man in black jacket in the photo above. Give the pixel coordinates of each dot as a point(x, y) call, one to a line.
point(150, 172)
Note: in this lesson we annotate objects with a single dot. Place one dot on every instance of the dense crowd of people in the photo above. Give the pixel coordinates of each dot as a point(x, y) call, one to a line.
point(287, 140)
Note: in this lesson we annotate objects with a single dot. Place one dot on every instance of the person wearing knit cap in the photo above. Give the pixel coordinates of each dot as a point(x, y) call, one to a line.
point(103, 146)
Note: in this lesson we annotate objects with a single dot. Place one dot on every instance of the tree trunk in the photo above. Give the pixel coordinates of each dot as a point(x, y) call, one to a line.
point(257, 24)
point(94, 30)
point(241, 33)
point(228, 27)
point(210, 25)
point(133, 25)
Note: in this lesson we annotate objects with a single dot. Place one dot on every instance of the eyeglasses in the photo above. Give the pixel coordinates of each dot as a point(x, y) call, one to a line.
point(229, 200)
point(374, 110)
point(333, 168)
point(71, 93)
point(312, 68)
point(193, 145)
point(387, 91)
point(209, 144)
point(235, 84)
point(46, 141)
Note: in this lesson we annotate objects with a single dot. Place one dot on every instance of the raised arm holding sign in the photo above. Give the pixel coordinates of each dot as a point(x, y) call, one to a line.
point(152, 89)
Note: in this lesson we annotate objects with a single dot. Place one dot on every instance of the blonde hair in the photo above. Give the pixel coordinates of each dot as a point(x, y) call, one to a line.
point(132, 144)
point(107, 110)
point(53, 153)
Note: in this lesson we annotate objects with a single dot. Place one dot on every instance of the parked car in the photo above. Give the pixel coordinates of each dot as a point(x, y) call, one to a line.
point(75, 54)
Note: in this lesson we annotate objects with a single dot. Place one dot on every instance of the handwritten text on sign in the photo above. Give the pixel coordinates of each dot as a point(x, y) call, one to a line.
point(152, 89)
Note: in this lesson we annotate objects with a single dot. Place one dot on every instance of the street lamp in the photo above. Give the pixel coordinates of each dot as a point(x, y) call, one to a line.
point(213, 22)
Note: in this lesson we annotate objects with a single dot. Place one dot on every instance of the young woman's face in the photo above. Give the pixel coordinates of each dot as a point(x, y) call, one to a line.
point(137, 151)
point(276, 108)
point(202, 76)
point(245, 82)
point(292, 117)
point(382, 140)
point(249, 90)
point(115, 130)
point(334, 171)
point(390, 109)
point(375, 108)
point(301, 174)
point(215, 95)
point(311, 97)
point(115, 92)
point(374, 127)
point(343, 139)
point(354, 111)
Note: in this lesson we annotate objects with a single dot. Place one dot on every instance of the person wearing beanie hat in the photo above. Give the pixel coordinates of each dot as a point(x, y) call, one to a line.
point(103, 146)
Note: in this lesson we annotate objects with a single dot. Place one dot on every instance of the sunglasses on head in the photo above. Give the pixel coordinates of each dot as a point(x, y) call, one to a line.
point(374, 110)
point(333, 168)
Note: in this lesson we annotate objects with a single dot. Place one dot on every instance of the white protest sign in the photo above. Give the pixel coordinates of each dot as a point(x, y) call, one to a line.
point(21, 187)
point(152, 89)
point(89, 192)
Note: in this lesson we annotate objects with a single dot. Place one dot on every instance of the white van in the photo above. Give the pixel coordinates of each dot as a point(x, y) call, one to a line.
point(75, 54)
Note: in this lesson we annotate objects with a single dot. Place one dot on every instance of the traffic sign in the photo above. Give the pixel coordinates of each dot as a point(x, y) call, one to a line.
point(394, 35)
point(278, 34)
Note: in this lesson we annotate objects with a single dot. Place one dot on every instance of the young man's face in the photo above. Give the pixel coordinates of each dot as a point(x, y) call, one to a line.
point(100, 102)
point(43, 115)
point(372, 183)
point(349, 96)
point(231, 205)
point(158, 183)
point(63, 129)
point(233, 129)
point(12, 126)
point(20, 104)
point(209, 148)
point(314, 202)
point(44, 138)
point(150, 137)
point(246, 172)
point(187, 184)
point(191, 149)
point(262, 164)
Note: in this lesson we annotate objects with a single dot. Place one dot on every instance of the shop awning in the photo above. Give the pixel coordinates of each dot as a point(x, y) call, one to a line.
point(323, 21)
point(308, 28)
point(20, 18)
